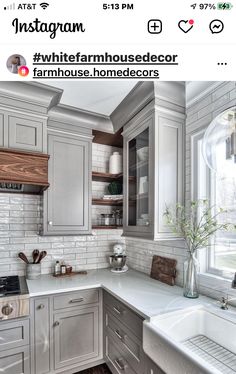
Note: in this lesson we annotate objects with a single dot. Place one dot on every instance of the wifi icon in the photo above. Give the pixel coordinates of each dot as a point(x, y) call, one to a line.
point(44, 5)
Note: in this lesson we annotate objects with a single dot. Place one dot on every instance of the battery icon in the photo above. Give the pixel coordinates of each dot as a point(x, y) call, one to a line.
point(224, 6)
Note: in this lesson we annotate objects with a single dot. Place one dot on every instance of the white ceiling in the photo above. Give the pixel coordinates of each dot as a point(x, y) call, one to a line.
point(97, 96)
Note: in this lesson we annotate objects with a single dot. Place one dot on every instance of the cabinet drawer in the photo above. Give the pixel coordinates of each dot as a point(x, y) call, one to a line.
point(131, 345)
point(115, 357)
point(75, 299)
point(13, 334)
point(15, 361)
point(124, 314)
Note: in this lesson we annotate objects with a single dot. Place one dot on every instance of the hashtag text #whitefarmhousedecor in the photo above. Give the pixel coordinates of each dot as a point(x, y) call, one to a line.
point(52, 27)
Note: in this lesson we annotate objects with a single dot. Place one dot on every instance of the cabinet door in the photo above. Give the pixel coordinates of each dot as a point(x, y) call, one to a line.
point(26, 133)
point(67, 203)
point(76, 337)
point(170, 170)
point(15, 361)
point(138, 179)
point(41, 339)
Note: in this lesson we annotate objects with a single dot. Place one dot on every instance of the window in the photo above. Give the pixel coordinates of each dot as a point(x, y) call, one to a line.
point(220, 257)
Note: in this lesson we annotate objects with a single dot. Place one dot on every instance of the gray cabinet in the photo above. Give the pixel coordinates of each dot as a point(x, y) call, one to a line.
point(153, 170)
point(19, 130)
point(40, 339)
point(75, 336)
point(14, 347)
point(26, 133)
point(122, 337)
point(67, 203)
point(15, 361)
point(66, 331)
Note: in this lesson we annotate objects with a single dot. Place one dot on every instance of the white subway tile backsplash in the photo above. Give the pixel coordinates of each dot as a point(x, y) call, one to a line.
point(20, 220)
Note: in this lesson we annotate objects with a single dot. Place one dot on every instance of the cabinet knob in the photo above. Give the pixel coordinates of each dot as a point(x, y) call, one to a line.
point(7, 309)
point(41, 306)
point(57, 323)
point(50, 223)
point(73, 301)
point(117, 332)
point(119, 365)
point(118, 311)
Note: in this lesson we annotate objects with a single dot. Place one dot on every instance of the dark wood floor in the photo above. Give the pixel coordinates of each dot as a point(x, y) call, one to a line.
point(100, 369)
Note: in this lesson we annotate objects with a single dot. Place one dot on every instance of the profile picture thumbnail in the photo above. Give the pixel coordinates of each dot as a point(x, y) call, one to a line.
point(15, 62)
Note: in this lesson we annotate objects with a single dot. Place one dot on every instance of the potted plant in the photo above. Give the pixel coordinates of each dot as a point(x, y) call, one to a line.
point(196, 223)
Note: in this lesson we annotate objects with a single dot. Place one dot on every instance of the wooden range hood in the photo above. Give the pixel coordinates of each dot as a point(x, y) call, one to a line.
point(23, 172)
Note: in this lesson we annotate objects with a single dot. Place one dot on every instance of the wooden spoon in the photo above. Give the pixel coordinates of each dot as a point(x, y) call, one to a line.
point(41, 256)
point(35, 255)
point(23, 257)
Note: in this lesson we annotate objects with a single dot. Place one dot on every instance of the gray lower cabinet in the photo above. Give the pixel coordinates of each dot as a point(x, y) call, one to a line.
point(66, 333)
point(123, 340)
point(75, 336)
point(67, 202)
point(122, 337)
point(14, 347)
point(40, 336)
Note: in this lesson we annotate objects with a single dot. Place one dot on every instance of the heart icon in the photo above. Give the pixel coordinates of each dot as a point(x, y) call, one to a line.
point(186, 25)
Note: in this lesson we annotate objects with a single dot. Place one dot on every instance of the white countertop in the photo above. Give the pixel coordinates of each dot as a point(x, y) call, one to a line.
point(144, 295)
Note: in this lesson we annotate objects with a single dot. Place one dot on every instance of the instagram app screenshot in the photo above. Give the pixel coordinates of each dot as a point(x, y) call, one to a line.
point(117, 187)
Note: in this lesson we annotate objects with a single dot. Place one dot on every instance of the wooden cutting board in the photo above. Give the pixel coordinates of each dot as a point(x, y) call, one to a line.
point(164, 269)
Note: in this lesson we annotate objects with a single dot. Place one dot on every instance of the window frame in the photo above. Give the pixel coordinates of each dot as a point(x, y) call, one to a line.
point(205, 255)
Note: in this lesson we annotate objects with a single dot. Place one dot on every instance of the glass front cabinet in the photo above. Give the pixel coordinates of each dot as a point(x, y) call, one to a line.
point(153, 170)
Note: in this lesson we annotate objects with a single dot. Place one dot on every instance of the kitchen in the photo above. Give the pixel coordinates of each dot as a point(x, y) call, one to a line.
point(87, 172)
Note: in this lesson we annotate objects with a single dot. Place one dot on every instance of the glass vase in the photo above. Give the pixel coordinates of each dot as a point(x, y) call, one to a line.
point(191, 270)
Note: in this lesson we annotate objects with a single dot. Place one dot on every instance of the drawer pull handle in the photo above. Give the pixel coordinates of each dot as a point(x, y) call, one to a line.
point(57, 323)
point(50, 223)
point(41, 306)
point(72, 301)
point(118, 334)
point(117, 310)
point(121, 367)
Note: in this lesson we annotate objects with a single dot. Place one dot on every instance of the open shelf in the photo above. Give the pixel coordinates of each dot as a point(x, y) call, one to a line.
point(105, 177)
point(99, 227)
point(107, 202)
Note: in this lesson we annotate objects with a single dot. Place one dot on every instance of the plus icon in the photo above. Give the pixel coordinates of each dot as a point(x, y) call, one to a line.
point(154, 26)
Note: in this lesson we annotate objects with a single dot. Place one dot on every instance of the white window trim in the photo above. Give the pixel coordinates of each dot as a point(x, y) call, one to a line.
point(211, 278)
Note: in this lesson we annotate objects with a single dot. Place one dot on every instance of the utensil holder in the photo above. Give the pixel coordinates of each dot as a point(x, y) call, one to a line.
point(33, 271)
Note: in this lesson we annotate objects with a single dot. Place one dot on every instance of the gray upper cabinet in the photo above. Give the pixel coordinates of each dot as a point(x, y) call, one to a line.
point(26, 133)
point(67, 202)
point(19, 130)
point(153, 170)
